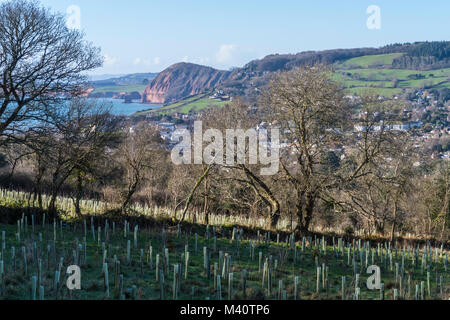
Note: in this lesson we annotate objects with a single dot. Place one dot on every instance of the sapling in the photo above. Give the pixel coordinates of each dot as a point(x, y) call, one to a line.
point(150, 256)
point(166, 264)
point(318, 279)
point(186, 265)
point(216, 271)
point(117, 274)
point(24, 254)
point(121, 287)
point(157, 268)
point(128, 251)
point(33, 287)
point(162, 285)
point(92, 232)
point(135, 236)
point(422, 290)
point(219, 288)
point(324, 271)
point(260, 260)
point(230, 286)
point(244, 283)
point(134, 292)
point(280, 289)
point(141, 261)
point(40, 272)
point(41, 293)
point(2, 271)
point(56, 284)
point(176, 274)
point(205, 257)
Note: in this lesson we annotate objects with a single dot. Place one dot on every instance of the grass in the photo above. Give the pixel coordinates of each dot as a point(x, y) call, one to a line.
point(195, 103)
point(381, 81)
point(64, 239)
point(126, 88)
point(366, 61)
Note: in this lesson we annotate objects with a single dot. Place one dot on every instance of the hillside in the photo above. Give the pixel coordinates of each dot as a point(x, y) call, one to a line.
point(375, 72)
point(188, 105)
point(182, 80)
point(404, 59)
point(390, 70)
point(136, 82)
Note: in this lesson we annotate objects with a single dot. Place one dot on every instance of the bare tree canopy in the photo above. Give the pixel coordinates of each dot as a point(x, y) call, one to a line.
point(41, 60)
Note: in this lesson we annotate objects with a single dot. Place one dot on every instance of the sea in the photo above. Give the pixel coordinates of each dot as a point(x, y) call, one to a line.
point(120, 108)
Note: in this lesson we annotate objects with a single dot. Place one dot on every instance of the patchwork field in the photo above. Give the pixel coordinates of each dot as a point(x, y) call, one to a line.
point(359, 74)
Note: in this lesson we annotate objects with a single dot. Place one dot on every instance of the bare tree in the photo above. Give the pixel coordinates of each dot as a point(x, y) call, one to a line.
point(79, 138)
point(317, 124)
point(140, 153)
point(41, 61)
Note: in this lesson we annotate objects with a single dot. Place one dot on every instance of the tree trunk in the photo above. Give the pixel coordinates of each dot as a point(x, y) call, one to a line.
point(79, 194)
point(205, 206)
point(305, 209)
point(394, 221)
point(274, 215)
point(191, 194)
point(264, 192)
point(131, 190)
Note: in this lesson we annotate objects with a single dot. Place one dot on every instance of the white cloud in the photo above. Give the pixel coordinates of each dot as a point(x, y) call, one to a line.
point(108, 60)
point(203, 60)
point(225, 53)
point(185, 59)
point(147, 62)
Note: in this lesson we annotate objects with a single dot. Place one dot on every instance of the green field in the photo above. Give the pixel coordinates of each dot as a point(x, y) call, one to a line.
point(126, 88)
point(356, 75)
point(186, 106)
point(366, 61)
point(312, 268)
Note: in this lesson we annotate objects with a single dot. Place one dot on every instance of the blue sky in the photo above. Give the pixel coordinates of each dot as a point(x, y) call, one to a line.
point(150, 35)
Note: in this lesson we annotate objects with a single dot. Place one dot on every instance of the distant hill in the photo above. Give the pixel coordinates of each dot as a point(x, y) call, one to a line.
point(420, 56)
point(182, 80)
point(136, 83)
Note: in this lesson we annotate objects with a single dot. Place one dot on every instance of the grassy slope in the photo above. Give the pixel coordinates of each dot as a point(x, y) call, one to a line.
point(366, 61)
point(126, 88)
point(191, 104)
point(18, 284)
point(381, 80)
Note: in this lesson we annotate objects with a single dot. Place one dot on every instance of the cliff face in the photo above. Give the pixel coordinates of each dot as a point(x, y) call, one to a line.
point(182, 80)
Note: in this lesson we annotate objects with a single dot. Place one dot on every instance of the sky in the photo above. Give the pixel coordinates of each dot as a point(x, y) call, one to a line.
point(150, 35)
